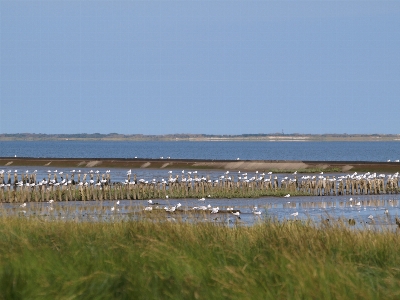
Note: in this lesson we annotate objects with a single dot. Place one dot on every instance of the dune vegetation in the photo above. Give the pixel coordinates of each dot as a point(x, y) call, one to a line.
point(158, 259)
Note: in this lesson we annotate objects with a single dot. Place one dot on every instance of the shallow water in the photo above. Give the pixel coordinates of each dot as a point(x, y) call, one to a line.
point(383, 208)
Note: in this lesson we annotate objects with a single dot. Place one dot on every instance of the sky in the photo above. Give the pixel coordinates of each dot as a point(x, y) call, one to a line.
point(200, 67)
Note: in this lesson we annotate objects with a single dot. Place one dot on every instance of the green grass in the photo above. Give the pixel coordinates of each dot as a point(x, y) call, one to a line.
point(163, 260)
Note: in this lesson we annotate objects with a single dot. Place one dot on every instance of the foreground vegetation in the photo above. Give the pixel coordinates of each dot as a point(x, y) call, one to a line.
point(175, 260)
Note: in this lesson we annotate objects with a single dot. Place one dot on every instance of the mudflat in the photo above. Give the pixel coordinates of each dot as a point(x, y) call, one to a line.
point(242, 165)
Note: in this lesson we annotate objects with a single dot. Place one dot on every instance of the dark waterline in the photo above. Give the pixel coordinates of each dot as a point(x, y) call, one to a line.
point(308, 151)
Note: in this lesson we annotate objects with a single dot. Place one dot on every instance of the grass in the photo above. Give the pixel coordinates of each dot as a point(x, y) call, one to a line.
point(162, 260)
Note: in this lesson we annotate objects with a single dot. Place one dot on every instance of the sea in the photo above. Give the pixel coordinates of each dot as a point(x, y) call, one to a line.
point(213, 150)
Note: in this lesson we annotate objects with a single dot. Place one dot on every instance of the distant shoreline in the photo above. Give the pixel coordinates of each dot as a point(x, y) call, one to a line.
point(202, 164)
point(202, 137)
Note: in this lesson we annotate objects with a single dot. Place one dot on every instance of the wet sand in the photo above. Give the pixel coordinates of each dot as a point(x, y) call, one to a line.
point(193, 164)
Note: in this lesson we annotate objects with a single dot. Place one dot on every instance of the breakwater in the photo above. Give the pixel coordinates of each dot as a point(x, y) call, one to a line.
point(74, 186)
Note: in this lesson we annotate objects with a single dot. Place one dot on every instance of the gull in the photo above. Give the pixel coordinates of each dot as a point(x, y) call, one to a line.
point(202, 199)
point(215, 210)
point(295, 214)
point(257, 212)
point(150, 201)
point(236, 214)
point(287, 196)
point(51, 201)
point(23, 205)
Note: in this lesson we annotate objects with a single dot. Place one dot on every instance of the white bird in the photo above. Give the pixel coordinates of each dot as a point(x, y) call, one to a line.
point(166, 196)
point(257, 212)
point(51, 201)
point(287, 196)
point(112, 208)
point(215, 210)
point(370, 217)
point(148, 208)
point(295, 214)
point(150, 201)
point(236, 213)
point(202, 199)
point(23, 205)
point(118, 202)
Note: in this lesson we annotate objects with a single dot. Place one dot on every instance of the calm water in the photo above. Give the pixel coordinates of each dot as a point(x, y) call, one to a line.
point(374, 212)
point(321, 151)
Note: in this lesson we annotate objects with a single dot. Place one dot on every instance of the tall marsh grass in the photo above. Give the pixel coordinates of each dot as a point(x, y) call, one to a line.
point(177, 260)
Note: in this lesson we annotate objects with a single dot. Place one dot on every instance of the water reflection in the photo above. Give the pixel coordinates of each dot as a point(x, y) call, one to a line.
point(369, 211)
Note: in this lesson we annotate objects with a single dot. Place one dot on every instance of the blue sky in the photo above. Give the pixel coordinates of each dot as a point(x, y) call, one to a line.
point(213, 67)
